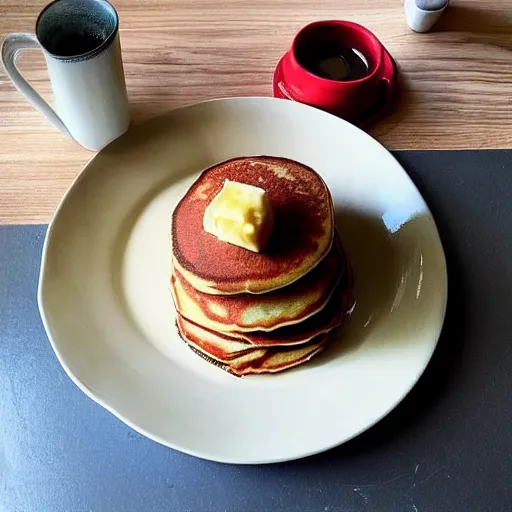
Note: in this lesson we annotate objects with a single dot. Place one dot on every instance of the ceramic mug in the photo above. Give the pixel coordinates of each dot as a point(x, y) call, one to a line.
point(354, 100)
point(80, 42)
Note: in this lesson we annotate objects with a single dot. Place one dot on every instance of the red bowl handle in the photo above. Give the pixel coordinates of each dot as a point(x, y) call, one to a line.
point(387, 80)
point(388, 73)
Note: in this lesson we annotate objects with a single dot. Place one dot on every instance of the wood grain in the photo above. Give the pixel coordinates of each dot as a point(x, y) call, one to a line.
point(456, 85)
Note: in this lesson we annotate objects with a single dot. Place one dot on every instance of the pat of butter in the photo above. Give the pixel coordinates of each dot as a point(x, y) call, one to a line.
point(240, 214)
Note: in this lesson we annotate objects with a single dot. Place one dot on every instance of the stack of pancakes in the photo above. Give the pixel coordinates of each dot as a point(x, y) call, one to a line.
point(250, 312)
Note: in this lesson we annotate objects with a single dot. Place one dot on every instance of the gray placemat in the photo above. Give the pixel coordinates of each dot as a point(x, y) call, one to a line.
point(447, 447)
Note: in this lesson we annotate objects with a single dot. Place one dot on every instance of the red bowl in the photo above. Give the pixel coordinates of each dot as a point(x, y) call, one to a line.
point(358, 100)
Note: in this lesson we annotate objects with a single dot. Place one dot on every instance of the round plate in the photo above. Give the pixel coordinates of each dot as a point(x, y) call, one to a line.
point(107, 309)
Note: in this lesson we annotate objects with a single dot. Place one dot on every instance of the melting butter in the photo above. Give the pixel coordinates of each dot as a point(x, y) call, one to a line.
point(240, 214)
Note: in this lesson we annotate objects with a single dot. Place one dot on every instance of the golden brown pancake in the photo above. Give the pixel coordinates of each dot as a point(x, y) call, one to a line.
point(218, 346)
point(271, 361)
point(260, 352)
point(332, 316)
point(301, 238)
point(264, 312)
point(242, 358)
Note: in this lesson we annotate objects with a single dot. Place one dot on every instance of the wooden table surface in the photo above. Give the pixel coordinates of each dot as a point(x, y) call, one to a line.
point(456, 81)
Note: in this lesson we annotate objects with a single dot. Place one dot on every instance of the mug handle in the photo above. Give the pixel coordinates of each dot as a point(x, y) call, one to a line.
point(11, 46)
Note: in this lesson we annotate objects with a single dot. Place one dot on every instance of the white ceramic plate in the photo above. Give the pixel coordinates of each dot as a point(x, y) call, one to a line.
point(105, 303)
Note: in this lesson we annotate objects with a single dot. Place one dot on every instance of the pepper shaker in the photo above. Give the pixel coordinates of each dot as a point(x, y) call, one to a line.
point(421, 15)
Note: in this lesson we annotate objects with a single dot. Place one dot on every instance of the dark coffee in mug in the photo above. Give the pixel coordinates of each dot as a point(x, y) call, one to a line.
point(69, 43)
point(71, 28)
point(334, 62)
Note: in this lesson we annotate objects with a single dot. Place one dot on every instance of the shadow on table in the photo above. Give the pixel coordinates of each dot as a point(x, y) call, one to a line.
point(441, 370)
point(477, 21)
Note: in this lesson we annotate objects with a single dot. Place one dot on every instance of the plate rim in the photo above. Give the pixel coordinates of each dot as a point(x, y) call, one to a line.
point(442, 294)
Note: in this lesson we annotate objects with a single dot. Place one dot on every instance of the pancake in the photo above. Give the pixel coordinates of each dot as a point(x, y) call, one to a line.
point(222, 345)
point(218, 346)
point(264, 312)
point(271, 361)
point(333, 315)
point(242, 358)
point(301, 238)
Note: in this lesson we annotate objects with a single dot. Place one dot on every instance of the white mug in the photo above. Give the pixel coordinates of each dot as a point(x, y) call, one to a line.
point(80, 41)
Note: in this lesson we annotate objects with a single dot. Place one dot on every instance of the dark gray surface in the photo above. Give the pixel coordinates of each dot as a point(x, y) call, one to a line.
point(447, 447)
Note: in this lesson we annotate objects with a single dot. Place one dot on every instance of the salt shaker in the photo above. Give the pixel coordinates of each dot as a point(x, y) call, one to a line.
point(421, 15)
